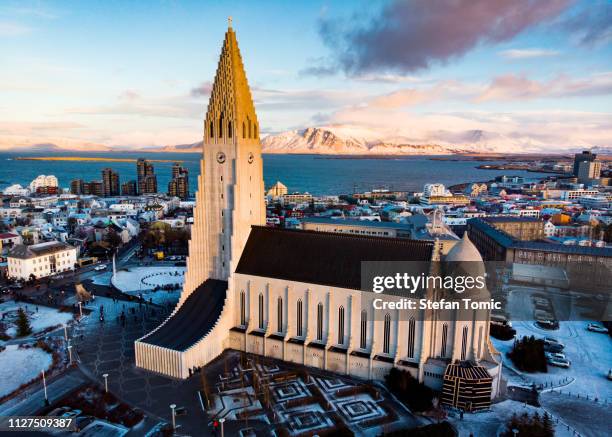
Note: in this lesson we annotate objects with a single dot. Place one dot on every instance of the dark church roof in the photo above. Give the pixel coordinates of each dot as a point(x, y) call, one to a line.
point(194, 319)
point(323, 258)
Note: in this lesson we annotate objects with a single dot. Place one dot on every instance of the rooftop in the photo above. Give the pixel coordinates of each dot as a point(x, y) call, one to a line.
point(324, 258)
point(50, 247)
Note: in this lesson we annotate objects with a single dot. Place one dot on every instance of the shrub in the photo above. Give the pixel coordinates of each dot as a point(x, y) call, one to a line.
point(415, 394)
point(532, 426)
point(502, 332)
point(528, 355)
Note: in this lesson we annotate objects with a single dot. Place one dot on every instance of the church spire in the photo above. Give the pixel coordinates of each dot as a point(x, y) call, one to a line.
point(230, 117)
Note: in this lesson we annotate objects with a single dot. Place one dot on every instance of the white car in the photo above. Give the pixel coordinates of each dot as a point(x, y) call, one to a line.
point(558, 362)
point(553, 355)
point(553, 341)
point(594, 327)
point(100, 267)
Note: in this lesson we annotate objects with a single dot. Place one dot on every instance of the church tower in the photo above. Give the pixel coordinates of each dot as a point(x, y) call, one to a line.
point(230, 197)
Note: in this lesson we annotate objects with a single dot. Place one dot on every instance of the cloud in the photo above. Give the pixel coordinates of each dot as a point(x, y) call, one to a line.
point(13, 29)
point(517, 87)
point(410, 35)
point(129, 95)
point(204, 89)
point(527, 53)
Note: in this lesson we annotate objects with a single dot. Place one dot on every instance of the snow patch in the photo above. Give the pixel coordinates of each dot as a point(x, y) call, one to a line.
point(19, 366)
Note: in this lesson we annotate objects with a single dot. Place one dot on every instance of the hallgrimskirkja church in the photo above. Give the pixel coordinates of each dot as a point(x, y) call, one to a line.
point(296, 295)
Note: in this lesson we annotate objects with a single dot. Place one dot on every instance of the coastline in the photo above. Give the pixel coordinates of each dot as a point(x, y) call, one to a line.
point(82, 158)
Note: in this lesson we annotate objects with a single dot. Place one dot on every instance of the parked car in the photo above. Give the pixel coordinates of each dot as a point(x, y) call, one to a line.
point(558, 362)
point(6, 290)
point(58, 411)
point(594, 327)
point(552, 347)
point(552, 340)
point(100, 267)
point(551, 355)
point(83, 421)
point(71, 413)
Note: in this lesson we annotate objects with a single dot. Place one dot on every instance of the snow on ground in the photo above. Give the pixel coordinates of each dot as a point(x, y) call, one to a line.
point(20, 365)
point(41, 317)
point(102, 278)
point(590, 354)
point(589, 418)
point(142, 280)
point(489, 423)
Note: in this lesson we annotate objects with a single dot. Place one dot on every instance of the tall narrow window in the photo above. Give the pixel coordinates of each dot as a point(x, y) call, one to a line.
point(249, 123)
point(411, 329)
point(444, 339)
point(279, 316)
point(479, 343)
point(254, 130)
point(464, 343)
point(211, 130)
point(221, 126)
point(242, 309)
point(261, 311)
point(299, 317)
point(387, 334)
point(243, 130)
point(229, 129)
point(341, 325)
point(363, 340)
point(320, 322)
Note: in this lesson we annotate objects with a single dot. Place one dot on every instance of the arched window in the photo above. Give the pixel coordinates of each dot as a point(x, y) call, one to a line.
point(464, 337)
point(387, 334)
point(479, 343)
point(211, 130)
point(444, 339)
point(261, 311)
point(243, 130)
point(279, 310)
point(221, 125)
point(341, 325)
point(363, 341)
point(229, 129)
point(242, 309)
point(411, 330)
point(320, 322)
point(299, 318)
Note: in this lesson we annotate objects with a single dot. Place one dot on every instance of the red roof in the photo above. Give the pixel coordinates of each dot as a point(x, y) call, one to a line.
point(7, 235)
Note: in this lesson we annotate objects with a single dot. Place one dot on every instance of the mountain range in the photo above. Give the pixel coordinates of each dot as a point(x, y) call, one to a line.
point(350, 140)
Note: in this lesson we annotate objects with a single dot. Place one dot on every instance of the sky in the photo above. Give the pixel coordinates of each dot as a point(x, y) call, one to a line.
point(115, 73)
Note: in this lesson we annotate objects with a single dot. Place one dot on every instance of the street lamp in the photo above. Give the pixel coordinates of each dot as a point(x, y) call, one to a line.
point(515, 432)
point(45, 387)
point(221, 422)
point(105, 382)
point(65, 332)
point(80, 310)
point(172, 407)
point(70, 354)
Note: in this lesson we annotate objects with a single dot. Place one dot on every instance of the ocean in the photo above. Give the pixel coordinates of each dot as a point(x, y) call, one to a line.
point(319, 175)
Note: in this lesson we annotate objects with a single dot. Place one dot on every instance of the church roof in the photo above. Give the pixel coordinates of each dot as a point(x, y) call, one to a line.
point(323, 258)
point(464, 251)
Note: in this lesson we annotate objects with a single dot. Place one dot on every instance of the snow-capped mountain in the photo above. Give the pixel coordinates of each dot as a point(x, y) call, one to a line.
point(341, 140)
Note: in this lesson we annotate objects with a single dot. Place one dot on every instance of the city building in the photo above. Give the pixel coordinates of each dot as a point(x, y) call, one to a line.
point(110, 182)
point(129, 188)
point(585, 156)
point(146, 179)
point(77, 186)
point(40, 260)
point(589, 172)
point(295, 295)
point(179, 184)
point(277, 190)
point(16, 190)
point(43, 181)
point(521, 228)
point(94, 188)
